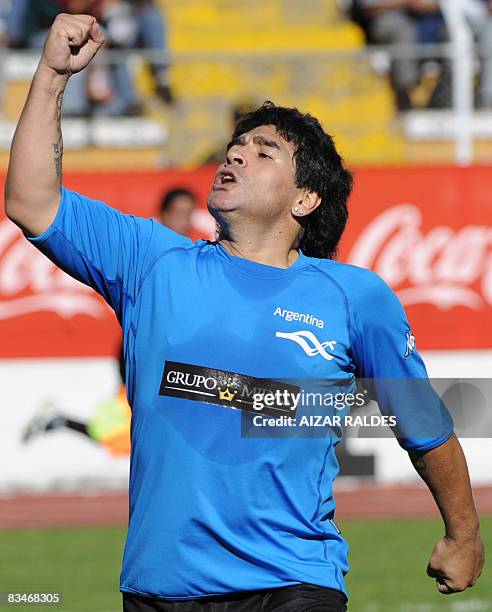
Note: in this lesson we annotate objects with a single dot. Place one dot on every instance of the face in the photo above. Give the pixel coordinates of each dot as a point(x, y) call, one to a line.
point(257, 179)
point(178, 216)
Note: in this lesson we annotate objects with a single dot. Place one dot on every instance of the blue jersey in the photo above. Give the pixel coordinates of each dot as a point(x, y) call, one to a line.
point(213, 511)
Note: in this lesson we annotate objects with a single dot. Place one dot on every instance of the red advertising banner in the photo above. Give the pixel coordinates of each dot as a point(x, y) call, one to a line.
point(426, 231)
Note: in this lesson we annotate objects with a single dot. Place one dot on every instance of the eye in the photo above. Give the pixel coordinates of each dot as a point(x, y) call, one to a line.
point(264, 155)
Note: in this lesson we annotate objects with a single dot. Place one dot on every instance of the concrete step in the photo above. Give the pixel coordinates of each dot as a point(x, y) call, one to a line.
point(439, 125)
point(121, 133)
point(120, 144)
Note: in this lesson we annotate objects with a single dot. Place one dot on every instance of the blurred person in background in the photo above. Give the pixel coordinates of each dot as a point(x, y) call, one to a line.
point(152, 35)
point(5, 11)
point(109, 424)
point(133, 24)
point(121, 31)
point(216, 516)
point(176, 210)
point(105, 89)
point(29, 19)
point(12, 21)
point(479, 15)
point(403, 22)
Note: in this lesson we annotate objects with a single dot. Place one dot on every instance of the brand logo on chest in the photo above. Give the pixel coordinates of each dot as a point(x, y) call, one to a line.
point(310, 344)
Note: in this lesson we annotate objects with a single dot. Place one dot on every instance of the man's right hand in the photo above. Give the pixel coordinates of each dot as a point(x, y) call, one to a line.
point(72, 42)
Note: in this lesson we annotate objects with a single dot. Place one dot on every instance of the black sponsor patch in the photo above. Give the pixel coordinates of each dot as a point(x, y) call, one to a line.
point(226, 388)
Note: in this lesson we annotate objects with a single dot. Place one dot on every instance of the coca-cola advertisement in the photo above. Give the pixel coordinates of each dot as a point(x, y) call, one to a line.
point(426, 231)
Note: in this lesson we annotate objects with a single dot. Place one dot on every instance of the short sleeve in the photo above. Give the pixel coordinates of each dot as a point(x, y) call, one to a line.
point(386, 357)
point(104, 248)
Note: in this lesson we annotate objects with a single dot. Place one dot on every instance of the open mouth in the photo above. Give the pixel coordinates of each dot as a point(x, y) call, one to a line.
point(225, 177)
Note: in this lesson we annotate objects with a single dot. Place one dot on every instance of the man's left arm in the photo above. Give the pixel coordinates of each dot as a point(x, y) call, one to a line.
point(457, 559)
point(385, 354)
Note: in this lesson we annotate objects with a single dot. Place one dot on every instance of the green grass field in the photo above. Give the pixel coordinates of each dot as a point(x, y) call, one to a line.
point(388, 562)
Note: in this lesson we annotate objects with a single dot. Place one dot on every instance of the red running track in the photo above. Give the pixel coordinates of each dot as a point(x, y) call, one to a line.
point(364, 502)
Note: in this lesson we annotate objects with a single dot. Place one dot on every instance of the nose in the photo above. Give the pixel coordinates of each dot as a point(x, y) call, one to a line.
point(234, 156)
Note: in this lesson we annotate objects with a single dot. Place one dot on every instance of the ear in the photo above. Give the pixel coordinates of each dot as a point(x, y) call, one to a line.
point(306, 203)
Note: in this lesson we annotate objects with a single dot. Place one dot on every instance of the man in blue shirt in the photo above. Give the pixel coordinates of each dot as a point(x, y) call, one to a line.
point(225, 512)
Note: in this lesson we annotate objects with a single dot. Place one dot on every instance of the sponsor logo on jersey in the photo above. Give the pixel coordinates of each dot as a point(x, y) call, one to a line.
point(310, 344)
point(410, 344)
point(292, 315)
point(225, 388)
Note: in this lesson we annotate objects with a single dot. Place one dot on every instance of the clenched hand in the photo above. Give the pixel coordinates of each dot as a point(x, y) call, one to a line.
point(72, 42)
point(456, 564)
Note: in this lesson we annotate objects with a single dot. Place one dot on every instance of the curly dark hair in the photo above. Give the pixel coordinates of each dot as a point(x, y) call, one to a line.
point(319, 168)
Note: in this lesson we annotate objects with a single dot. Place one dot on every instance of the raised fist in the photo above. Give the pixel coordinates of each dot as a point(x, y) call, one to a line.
point(72, 42)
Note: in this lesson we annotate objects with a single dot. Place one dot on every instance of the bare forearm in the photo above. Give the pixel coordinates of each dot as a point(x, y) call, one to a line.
point(33, 184)
point(34, 177)
point(457, 559)
point(445, 472)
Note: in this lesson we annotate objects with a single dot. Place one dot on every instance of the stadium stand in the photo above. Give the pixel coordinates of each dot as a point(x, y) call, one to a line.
point(302, 54)
point(305, 54)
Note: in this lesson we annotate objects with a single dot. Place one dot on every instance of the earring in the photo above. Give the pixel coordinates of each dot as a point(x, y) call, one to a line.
point(296, 210)
point(301, 212)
